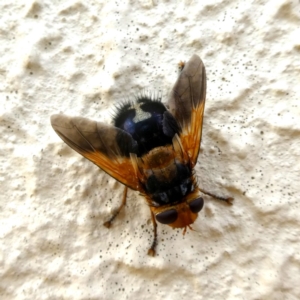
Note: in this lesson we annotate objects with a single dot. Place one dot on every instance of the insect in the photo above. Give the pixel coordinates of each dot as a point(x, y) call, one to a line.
point(151, 149)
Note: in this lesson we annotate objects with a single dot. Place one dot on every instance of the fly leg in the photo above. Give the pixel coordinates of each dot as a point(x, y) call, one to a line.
point(151, 251)
point(225, 199)
point(109, 222)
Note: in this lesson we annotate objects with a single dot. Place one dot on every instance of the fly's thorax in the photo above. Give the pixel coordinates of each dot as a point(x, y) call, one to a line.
point(164, 174)
point(158, 158)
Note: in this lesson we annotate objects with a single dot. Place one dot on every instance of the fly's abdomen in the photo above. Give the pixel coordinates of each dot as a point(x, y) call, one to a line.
point(149, 123)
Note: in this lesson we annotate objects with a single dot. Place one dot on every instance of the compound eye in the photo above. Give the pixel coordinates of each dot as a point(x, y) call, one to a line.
point(167, 217)
point(196, 205)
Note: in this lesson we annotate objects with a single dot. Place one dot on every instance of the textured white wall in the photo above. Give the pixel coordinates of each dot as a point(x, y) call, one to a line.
point(83, 58)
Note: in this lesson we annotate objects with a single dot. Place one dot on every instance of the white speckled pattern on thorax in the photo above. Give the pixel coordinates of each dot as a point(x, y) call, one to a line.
point(140, 115)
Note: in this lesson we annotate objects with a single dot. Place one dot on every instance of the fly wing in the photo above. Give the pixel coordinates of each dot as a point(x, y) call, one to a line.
point(106, 146)
point(186, 103)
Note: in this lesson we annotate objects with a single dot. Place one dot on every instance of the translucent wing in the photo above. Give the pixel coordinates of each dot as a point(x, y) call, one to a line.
point(186, 103)
point(106, 146)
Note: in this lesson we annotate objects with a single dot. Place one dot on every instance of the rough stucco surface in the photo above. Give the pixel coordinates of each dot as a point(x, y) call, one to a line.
point(82, 59)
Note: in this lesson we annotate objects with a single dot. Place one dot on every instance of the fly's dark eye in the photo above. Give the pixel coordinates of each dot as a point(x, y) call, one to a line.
point(196, 205)
point(167, 217)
